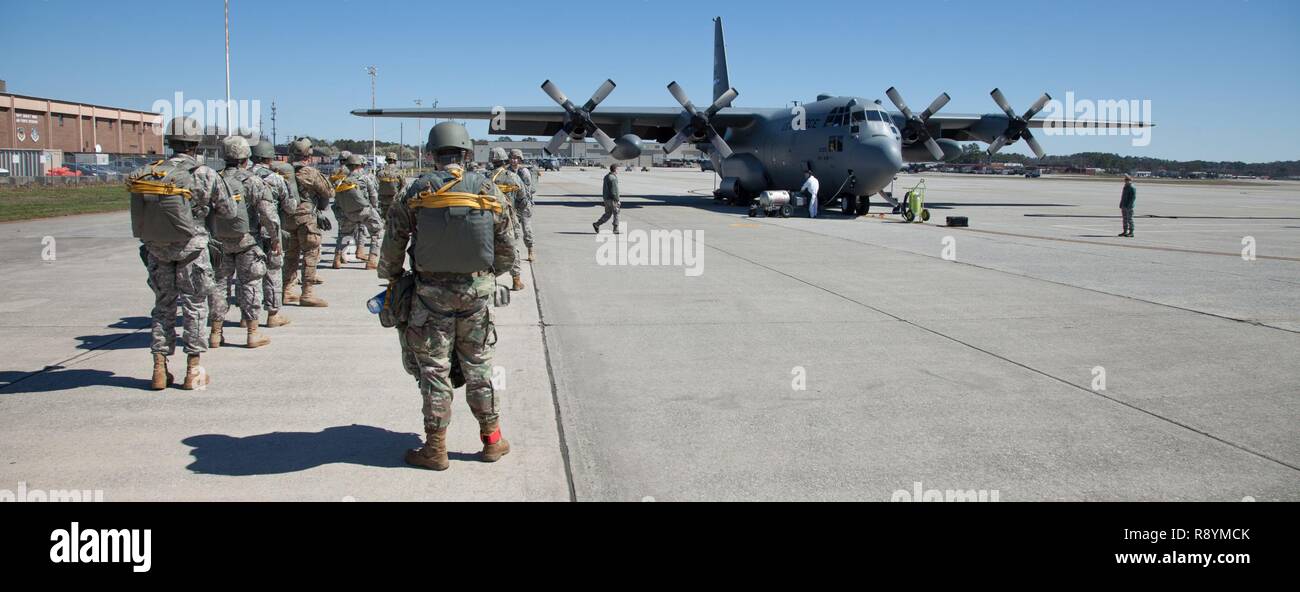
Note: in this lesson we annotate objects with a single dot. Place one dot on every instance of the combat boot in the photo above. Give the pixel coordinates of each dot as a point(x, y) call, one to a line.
point(275, 319)
point(531, 257)
point(434, 453)
point(494, 446)
point(289, 298)
point(161, 377)
point(215, 339)
point(518, 285)
point(308, 299)
point(195, 376)
point(338, 259)
point(256, 339)
point(372, 262)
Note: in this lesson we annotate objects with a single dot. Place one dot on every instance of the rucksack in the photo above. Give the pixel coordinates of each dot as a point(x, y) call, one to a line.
point(161, 208)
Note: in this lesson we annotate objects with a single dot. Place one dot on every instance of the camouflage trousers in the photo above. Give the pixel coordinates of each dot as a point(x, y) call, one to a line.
point(247, 267)
point(443, 317)
point(611, 211)
point(273, 281)
point(525, 208)
point(359, 226)
point(516, 265)
point(301, 248)
point(184, 278)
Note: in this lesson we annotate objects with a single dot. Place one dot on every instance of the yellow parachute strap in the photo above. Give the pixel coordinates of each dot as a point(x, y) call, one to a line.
point(237, 197)
point(148, 187)
point(442, 198)
point(386, 179)
point(345, 186)
point(504, 187)
point(338, 176)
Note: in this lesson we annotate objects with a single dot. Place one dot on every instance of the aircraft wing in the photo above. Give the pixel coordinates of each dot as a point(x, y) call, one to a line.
point(965, 127)
point(650, 123)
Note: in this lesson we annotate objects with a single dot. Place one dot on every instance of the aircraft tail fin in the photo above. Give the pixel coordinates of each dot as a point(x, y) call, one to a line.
point(721, 81)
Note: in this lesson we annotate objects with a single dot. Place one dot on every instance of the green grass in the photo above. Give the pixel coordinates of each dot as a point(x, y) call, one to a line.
point(32, 201)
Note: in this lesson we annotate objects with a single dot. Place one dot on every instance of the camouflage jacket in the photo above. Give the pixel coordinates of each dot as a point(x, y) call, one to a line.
point(401, 231)
point(285, 204)
point(261, 209)
point(391, 170)
point(314, 190)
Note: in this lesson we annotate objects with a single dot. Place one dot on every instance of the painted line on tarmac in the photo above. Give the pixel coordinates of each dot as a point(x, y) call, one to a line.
point(1143, 247)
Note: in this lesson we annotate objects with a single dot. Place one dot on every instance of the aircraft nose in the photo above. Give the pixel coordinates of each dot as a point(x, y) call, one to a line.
point(880, 159)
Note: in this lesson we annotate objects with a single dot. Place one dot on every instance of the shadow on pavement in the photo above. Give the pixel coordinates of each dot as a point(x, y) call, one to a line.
point(288, 452)
point(58, 378)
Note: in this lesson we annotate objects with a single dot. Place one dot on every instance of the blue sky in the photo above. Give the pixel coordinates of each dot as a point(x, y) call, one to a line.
point(1223, 76)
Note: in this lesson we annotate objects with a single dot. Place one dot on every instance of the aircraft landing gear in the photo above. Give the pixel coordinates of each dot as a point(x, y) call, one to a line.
point(849, 204)
point(864, 204)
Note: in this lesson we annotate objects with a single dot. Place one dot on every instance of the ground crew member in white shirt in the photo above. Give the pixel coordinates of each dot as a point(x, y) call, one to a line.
point(810, 188)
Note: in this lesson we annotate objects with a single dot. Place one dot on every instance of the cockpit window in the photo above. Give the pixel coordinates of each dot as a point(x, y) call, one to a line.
point(875, 116)
point(859, 115)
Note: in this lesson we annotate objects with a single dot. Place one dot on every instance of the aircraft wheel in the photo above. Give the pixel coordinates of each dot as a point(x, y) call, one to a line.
point(925, 215)
point(753, 210)
point(849, 204)
point(908, 215)
point(787, 210)
point(864, 204)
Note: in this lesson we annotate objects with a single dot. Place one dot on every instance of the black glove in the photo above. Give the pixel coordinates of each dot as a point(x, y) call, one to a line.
point(323, 221)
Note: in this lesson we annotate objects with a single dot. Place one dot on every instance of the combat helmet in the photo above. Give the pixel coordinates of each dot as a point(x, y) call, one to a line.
point(264, 149)
point(184, 129)
point(235, 148)
point(449, 134)
point(300, 147)
point(497, 154)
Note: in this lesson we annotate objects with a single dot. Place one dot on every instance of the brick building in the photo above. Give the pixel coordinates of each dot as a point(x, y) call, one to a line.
point(37, 123)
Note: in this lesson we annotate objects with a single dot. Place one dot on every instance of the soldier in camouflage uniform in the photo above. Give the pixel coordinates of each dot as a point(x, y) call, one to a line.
point(363, 233)
point(455, 280)
point(241, 256)
point(340, 173)
point(511, 186)
point(285, 203)
point(358, 202)
point(390, 182)
point(524, 199)
point(314, 195)
point(179, 269)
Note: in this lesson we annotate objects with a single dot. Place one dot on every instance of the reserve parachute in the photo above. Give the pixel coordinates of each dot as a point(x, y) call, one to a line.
point(161, 211)
point(457, 229)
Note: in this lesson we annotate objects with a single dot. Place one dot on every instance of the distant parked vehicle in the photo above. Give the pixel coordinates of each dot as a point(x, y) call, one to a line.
point(1034, 174)
point(4, 172)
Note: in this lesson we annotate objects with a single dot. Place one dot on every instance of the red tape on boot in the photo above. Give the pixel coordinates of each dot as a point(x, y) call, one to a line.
point(492, 438)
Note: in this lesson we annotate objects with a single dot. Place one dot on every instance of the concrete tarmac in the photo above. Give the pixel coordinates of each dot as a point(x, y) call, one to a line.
point(841, 358)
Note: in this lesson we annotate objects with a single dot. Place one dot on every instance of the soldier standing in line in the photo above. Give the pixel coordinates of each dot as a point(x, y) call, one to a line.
point(511, 186)
point(272, 243)
point(315, 193)
point(241, 253)
point(524, 201)
point(358, 202)
point(453, 221)
point(171, 200)
point(363, 233)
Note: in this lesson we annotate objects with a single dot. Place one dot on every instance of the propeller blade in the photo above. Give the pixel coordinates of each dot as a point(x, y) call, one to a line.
point(681, 97)
point(720, 144)
point(554, 146)
point(675, 143)
point(997, 144)
point(723, 102)
point(897, 99)
point(1033, 144)
point(600, 94)
point(605, 141)
point(934, 107)
point(555, 93)
point(1038, 105)
point(934, 149)
point(1002, 103)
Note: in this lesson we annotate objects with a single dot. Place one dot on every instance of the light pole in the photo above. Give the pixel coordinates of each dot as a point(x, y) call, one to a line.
point(229, 125)
point(372, 71)
point(419, 136)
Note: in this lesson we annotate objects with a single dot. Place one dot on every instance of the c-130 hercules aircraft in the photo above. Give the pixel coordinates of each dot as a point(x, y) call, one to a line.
point(851, 144)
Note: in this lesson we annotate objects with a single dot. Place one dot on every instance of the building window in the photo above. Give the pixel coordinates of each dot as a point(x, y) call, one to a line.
point(60, 121)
